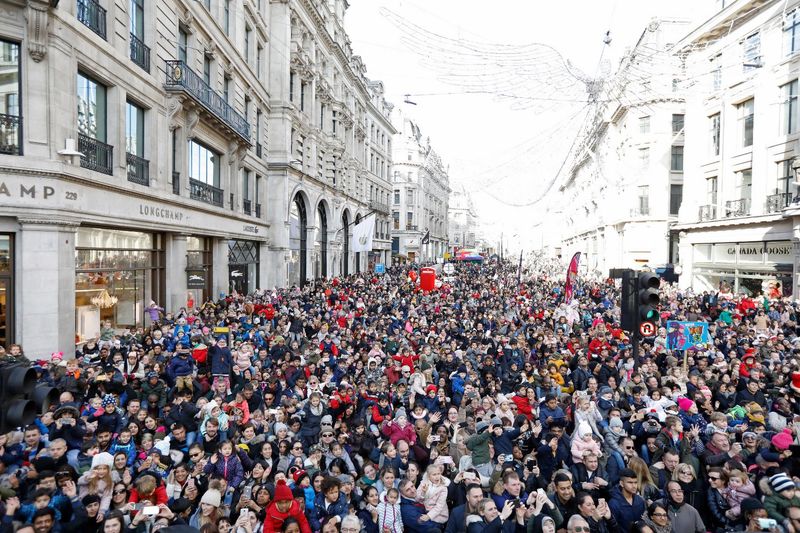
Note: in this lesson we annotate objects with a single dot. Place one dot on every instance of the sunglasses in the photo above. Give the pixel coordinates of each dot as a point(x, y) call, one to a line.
point(327, 435)
point(120, 491)
point(713, 478)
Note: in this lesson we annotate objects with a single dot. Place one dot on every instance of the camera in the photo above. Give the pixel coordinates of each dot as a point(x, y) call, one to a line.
point(530, 464)
point(516, 503)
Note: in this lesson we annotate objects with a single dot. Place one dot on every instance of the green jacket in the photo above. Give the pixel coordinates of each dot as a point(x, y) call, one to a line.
point(478, 444)
point(778, 507)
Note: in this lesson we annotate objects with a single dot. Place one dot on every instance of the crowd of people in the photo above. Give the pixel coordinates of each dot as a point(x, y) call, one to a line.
point(362, 403)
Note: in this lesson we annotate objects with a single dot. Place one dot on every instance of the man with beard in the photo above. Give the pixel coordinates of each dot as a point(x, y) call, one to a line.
point(683, 516)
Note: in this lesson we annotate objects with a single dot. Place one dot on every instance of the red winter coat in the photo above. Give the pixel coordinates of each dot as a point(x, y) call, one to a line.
point(523, 406)
point(274, 520)
point(395, 433)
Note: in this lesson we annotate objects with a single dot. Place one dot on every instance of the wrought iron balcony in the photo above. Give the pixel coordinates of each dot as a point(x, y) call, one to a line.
point(138, 169)
point(707, 212)
point(93, 16)
point(258, 210)
point(140, 53)
point(205, 192)
point(176, 183)
point(258, 149)
point(247, 207)
point(380, 207)
point(737, 208)
point(97, 155)
point(776, 202)
point(9, 134)
point(182, 78)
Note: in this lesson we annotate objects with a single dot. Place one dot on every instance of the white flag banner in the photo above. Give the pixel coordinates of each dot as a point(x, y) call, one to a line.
point(362, 235)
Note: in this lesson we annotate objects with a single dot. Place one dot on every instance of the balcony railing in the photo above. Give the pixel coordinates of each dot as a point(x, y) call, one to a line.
point(380, 207)
point(258, 210)
point(9, 134)
point(138, 169)
point(776, 202)
point(737, 208)
point(707, 212)
point(411, 227)
point(205, 192)
point(176, 183)
point(258, 149)
point(247, 207)
point(140, 53)
point(180, 77)
point(97, 155)
point(93, 16)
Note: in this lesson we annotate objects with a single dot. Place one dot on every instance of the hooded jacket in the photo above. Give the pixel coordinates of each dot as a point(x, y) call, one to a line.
point(274, 519)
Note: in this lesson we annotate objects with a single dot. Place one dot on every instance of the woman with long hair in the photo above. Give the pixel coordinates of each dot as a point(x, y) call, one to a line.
point(98, 481)
point(692, 488)
point(209, 510)
point(718, 506)
point(647, 487)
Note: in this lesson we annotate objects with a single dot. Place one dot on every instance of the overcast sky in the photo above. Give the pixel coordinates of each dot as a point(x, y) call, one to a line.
point(504, 151)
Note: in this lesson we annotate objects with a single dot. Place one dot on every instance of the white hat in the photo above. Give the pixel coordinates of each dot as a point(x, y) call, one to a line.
point(163, 446)
point(584, 429)
point(103, 459)
point(212, 497)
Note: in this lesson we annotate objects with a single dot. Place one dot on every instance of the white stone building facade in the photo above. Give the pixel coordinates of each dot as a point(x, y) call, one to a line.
point(740, 225)
point(420, 195)
point(149, 151)
point(623, 185)
point(462, 220)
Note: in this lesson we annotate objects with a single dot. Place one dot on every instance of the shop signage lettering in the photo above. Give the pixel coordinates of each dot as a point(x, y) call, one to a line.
point(29, 192)
point(160, 212)
point(777, 249)
point(251, 229)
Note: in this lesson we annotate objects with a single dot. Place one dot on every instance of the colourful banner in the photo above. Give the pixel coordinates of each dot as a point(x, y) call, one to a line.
point(572, 277)
point(686, 335)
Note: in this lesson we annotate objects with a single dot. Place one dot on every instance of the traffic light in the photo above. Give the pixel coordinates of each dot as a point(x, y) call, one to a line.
point(628, 307)
point(649, 297)
point(22, 399)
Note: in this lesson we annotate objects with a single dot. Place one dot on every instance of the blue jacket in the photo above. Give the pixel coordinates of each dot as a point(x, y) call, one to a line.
point(410, 511)
point(221, 360)
point(626, 513)
point(320, 512)
point(180, 366)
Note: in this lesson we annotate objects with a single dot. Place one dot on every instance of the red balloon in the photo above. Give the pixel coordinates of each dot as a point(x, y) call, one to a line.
point(413, 275)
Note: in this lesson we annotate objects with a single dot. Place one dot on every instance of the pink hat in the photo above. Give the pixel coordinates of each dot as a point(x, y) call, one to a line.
point(783, 440)
point(57, 356)
point(685, 404)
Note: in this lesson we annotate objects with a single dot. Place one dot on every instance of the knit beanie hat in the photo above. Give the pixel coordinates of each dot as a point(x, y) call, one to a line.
point(103, 459)
point(782, 440)
point(685, 404)
point(89, 499)
point(109, 399)
point(584, 429)
point(400, 413)
point(212, 497)
point(282, 491)
point(781, 482)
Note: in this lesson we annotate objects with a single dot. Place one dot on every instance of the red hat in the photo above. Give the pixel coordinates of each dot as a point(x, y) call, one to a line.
point(430, 388)
point(298, 475)
point(282, 492)
point(795, 385)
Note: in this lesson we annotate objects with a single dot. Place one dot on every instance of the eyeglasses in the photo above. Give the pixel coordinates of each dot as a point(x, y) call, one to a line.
point(713, 478)
point(660, 515)
point(297, 447)
point(676, 491)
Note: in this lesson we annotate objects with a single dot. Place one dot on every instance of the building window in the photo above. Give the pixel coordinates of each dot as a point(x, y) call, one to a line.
point(677, 123)
point(291, 86)
point(302, 96)
point(409, 219)
point(789, 108)
point(644, 125)
point(744, 185)
point(246, 184)
point(745, 110)
point(134, 129)
point(716, 72)
point(247, 33)
point(675, 198)
point(714, 124)
point(91, 108)
point(791, 32)
point(259, 53)
point(751, 52)
point(10, 119)
point(396, 219)
point(410, 197)
point(183, 45)
point(785, 177)
point(203, 164)
point(137, 18)
point(711, 190)
point(226, 17)
point(207, 70)
point(676, 159)
point(226, 87)
point(644, 199)
point(644, 158)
